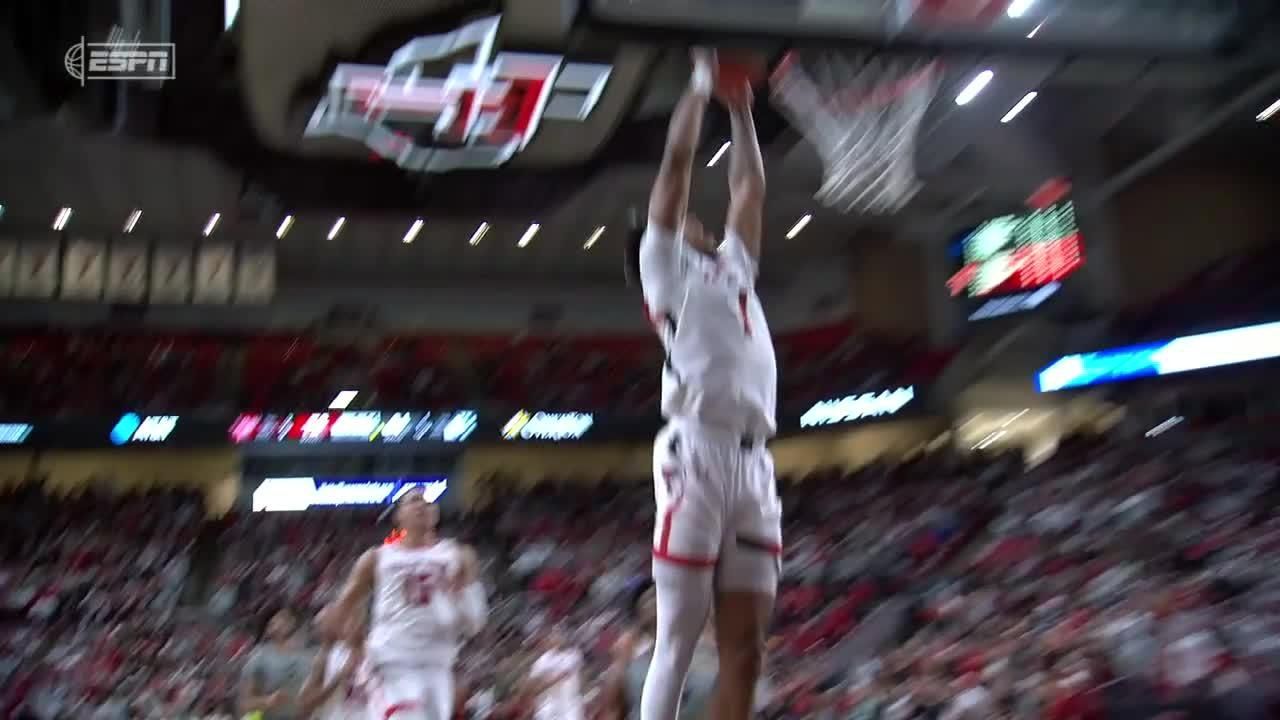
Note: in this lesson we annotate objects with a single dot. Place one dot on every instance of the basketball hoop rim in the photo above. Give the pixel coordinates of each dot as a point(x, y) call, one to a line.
point(880, 95)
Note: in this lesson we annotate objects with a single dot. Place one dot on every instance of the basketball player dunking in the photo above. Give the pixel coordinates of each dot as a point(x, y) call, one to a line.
point(718, 531)
point(426, 599)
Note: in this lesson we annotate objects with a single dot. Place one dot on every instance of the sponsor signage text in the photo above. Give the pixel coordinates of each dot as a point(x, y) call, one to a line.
point(292, 494)
point(354, 427)
point(134, 428)
point(553, 426)
point(853, 408)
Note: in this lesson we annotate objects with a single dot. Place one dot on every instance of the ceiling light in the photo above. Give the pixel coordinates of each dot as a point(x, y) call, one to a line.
point(595, 236)
point(60, 220)
point(1022, 105)
point(132, 221)
point(337, 227)
point(528, 235)
point(414, 229)
point(1018, 8)
point(719, 154)
point(479, 234)
point(343, 399)
point(974, 87)
point(1271, 110)
point(801, 224)
point(213, 223)
point(1036, 29)
point(285, 224)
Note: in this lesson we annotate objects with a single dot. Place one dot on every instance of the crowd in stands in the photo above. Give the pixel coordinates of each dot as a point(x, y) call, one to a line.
point(97, 372)
point(1119, 578)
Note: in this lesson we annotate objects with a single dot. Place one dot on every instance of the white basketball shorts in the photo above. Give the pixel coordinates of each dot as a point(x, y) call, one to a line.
point(410, 692)
point(718, 506)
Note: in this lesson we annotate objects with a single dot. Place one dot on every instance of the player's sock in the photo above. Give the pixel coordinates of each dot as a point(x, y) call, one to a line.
point(683, 600)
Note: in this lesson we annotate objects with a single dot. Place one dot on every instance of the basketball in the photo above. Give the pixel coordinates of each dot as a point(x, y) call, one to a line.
point(737, 70)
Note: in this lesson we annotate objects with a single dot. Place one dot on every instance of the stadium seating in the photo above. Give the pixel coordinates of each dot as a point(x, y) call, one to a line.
point(96, 372)
point(1119, 576)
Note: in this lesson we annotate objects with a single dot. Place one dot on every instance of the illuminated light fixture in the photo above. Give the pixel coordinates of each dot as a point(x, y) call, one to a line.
point(595, 237)
point(719, 154)
point(285, 224)
point(1, 211)
point(975, 86)
point(414, 229)
point(479, 234)
point(528, 235)
point(1271, 110)
point(337, 227)
point(1036, 29)
point(131, 222)
point(1022, 105)
point(213, 223)
point(343, 399)
point(986, 442)
point(801, 224)
point(1018, 8)
point(62, 218)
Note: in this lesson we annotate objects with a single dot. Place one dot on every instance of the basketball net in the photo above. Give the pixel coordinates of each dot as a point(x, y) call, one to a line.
point(862, 112)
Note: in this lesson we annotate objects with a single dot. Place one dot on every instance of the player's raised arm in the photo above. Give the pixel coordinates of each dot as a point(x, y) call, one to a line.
point(473, 603)
point(348, 607)
point(670, 196)
point(746, 172)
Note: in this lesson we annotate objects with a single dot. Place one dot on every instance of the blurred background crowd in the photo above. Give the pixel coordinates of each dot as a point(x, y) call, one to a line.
point(1117, 578)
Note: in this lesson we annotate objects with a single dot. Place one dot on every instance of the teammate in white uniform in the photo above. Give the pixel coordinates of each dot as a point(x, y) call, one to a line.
point(335, 688)
point(718, 533)
point(556, 679)
point(426, 600)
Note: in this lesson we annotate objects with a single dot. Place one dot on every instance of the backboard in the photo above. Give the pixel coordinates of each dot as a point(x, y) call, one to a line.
point(1152, 27)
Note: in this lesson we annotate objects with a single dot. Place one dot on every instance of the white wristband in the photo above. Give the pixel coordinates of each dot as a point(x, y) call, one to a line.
point(701, 82)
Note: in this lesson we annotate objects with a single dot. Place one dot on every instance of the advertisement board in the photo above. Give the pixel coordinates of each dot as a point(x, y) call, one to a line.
point(296, 494)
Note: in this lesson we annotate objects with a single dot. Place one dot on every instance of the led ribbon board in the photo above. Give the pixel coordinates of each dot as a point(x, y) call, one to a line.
point(15, 433)
point(134, 428)
point(551, 426)
point(428, 113)
point(293, 494)
point(853, 408)
point(1183, 354)
point(355, 427)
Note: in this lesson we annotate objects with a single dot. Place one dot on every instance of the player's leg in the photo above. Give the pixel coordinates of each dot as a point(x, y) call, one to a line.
point(747, 584)
point(395, 693)
point(438, 694)
point(687, 536)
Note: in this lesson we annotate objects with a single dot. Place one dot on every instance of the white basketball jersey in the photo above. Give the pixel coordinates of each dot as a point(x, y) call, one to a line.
point(720, 366)
point(348, 702)
point(414, 619)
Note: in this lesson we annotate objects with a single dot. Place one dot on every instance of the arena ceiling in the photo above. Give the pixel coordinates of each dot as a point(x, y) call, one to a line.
point(225, 137)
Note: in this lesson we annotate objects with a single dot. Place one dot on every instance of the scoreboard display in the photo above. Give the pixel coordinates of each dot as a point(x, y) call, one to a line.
point(1017, 253)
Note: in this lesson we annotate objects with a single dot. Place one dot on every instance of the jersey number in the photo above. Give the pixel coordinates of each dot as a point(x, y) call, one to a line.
point(744, 309)
point(419, 588)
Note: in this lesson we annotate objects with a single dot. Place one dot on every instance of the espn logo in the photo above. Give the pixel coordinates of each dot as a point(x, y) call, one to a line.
point(120, 61)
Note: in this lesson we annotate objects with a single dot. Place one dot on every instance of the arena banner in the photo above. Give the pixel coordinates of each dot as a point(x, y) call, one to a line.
point(858, 407)
point(354, 427)
point(295, 494)
point(1188, 353)
point(127, 430)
